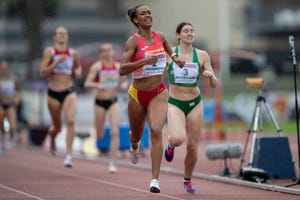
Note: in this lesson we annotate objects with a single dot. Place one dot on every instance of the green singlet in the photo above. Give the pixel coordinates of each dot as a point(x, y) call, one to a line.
point(188, 75)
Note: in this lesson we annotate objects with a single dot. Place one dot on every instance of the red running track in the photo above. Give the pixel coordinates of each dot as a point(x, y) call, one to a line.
point(34, 174)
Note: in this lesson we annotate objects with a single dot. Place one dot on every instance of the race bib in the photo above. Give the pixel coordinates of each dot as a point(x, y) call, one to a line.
point(109, 79)
point(188, 74)
point(157, 68)
point(7, 88)
point(64, 67)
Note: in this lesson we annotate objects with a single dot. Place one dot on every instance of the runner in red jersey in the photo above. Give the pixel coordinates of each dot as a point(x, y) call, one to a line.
point(145, 57)
point(104, 77)
point(59, 63)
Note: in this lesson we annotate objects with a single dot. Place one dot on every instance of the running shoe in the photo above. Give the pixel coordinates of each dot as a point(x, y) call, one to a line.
point(52, 146)
point(68, 161)
point(135, 154)
point(169, 153)
point(189, 187)
point(154, 186)
point(112, 168)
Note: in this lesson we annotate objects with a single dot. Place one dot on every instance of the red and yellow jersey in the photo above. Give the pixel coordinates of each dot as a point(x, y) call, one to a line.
point(146, 50)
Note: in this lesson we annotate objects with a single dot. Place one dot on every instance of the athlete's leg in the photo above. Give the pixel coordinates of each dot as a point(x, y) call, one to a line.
point(157, 111)
point(2, 133)
point(137, 117)
point(69, 108)
point(54, 108)
point(194, 124)
point(99, 121)
point(2, 116)
point(114, 121)
point(12, 120)
point(176, 125)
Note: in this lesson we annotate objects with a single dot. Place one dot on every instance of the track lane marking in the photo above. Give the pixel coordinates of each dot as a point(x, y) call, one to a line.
point(90, 179)
point(19, 192)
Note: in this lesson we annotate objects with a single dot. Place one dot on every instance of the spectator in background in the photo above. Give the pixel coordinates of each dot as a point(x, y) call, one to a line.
point(104, 78)
point(10, 97)
point(59, 63)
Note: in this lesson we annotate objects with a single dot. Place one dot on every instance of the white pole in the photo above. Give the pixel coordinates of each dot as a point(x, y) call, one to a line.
point(224, 37)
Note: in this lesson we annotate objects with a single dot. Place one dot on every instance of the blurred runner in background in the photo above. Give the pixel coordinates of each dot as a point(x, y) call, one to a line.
point(104, 78)
point(145, 57)
point(185, 108)
point(10, 97)
point(59, 63)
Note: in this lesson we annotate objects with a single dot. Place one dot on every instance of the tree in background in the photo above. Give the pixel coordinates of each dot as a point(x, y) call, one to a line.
point(31, 12)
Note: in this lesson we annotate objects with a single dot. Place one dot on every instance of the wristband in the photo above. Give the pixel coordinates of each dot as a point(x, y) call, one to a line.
point(173, 54)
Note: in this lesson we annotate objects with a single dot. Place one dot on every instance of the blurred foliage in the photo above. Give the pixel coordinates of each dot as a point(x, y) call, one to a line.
point(15, 8)
point(31, 13)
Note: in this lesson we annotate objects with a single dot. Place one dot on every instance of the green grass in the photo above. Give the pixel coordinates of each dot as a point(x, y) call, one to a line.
point(288, 128)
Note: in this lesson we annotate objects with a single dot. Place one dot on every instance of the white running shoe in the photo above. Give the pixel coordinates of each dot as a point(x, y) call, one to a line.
point(68, 161)
point(154, 186)
point(112, 168)
point(135, 154)
point(52, 146)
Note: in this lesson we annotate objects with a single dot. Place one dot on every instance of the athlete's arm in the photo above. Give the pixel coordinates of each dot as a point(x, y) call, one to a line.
point(77, 65)
point(18, 96)
point(207, 68)
point(47, 67)
point(169, 50)
point(169, 60)
point(126, 66)
point(89, 81)
point(123, 79)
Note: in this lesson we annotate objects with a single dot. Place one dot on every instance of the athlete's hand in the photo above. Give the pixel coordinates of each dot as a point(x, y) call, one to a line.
point(61, 58)
point(151, 60)
point(207, 74)
point(179, 62)
point(100, 87)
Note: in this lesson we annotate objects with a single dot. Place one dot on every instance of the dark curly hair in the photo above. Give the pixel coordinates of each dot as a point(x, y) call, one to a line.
point(131, 13)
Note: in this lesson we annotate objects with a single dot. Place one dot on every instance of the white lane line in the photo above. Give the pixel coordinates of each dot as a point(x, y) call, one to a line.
point(19, 191)
point(90, 179)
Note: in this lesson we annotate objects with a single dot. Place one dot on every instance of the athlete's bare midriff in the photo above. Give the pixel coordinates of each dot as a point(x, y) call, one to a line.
point(183, 93)
point(148, 83)
point(107, 93)
point(7, 100)
point(60, 82)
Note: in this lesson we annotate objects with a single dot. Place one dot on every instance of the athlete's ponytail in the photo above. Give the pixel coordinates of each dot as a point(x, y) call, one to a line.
point(131, 13)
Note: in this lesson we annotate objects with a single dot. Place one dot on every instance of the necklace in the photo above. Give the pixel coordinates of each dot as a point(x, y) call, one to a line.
point(147, 38)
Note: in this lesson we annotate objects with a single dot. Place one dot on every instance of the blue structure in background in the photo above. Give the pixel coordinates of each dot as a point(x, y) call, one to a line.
point(209, 111)
point(124, 144)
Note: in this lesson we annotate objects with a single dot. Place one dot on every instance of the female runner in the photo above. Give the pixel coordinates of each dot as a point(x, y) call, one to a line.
point(185, 108)
point(145, 57)
point(104, 77)
point(58, 64)
point(10, 97)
